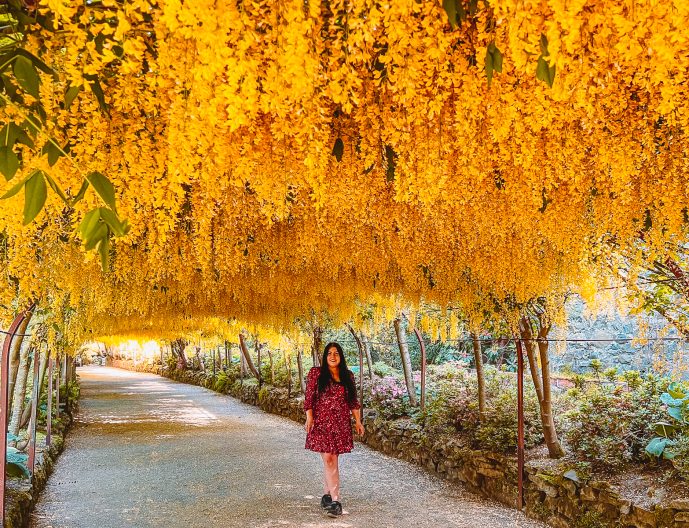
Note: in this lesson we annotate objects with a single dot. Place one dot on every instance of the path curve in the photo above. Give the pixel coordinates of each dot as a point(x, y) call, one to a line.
point(150, 452)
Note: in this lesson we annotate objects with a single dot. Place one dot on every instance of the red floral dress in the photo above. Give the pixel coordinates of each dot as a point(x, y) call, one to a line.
point(332, 425)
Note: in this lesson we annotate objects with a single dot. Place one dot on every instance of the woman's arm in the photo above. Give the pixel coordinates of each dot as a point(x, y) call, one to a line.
point(309, 420)
point(358, 426)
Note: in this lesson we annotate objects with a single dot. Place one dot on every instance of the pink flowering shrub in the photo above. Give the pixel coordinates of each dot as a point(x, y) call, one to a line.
point(389, 397)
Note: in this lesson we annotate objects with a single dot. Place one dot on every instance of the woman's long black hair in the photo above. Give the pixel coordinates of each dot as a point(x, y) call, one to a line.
point(346, 376)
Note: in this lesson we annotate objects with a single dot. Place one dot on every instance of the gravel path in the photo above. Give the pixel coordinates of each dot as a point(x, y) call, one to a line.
point(149, 452)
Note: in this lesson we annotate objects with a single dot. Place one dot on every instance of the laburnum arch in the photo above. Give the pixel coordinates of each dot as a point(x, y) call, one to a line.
point(274, 159)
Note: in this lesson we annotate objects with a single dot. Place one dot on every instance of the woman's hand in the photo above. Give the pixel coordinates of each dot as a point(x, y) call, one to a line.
point(359, 428)
point(309, 423)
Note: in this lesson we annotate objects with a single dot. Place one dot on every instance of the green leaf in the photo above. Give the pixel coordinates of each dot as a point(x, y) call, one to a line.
point(391, 160)
point(36, 193)
point(97, 90)
point(14, 190)
point(9, 162)
point(13, 133)
point(118, 228)
point(56, 188)
point(338, 149)
point(99, 232)
point(71, 94)
point(38, 63)
point(104, 188)
point(26, 75)
point(676, 413)
point(668, 399)
point(488, 65)
point(82, 192)
point(544, 72)
point(89, 224)
point(664, 429)
point(497, 59)
point(656, 446)
point(450, 7)
point(104, 251)
point(52, 151)
point(675, 390)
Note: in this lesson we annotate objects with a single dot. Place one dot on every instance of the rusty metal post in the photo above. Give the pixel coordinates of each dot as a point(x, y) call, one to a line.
point(213, 359)
point(35, 396)
point(423, 367)
point(65, 381)
point(49, 410)
point(57, 387)
point(520, 425)
point(4, 400)
point(227, 356)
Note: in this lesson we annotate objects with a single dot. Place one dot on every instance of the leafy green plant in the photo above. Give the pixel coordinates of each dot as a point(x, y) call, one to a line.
point(17, 463)
point(677, 401)
point(610, 427)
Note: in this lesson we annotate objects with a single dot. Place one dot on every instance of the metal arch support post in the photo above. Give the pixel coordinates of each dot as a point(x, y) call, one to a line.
point(35, 396)
point(423, 367)
point(4, 400)
point(49, 417)
point(520, 425)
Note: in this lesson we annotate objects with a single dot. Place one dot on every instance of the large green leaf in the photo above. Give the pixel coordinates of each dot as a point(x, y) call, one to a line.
point(36, 192)
point(118, 228)
point(675, 390)
point(9, 162)
point(55, 187)
point(104, 252)
point(656, 446)
point(14, 190)
point(82, 191)
point(104, 188)
point(26, 75)
point(89, 224)
point(667, 399)
point(52, 151)
point(96, 236)
point(71, 94)
point(676, 413)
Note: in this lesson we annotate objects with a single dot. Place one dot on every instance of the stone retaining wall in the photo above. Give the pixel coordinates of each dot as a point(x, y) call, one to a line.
point(555, 497)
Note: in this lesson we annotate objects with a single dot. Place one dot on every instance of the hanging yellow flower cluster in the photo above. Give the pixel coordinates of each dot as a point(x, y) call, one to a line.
point(279, 158)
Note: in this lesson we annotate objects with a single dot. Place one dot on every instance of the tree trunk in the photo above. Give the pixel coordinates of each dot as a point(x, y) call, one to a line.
point(526, 331)
point(547, 418)
point(480, 376)
point(300, 370)
point(177, 347)
point(14, 356)
point(369, 360)
point(288, 366)
point(20, 390)
point(272, 367)
point(316, 346)
point(247, 357)
point(406, 360)
point(360, 346)
point(258, 347)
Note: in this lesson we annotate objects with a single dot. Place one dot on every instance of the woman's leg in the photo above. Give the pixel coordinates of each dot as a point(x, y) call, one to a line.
point(332, 474)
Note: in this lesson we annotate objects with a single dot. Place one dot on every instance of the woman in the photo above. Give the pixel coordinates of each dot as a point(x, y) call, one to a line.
point(330, 396)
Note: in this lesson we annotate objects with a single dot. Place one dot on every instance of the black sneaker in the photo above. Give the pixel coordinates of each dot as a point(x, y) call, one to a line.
point(326, 500)
point(334, 509)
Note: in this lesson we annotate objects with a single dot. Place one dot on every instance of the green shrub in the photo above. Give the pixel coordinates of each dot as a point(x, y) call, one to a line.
point(383, 369)
point(680, 461)
point(610, 427)
point(453, 407)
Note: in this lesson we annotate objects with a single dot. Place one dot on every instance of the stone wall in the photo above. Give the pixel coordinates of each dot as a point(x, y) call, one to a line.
point(558, 498)
point(612, 324)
